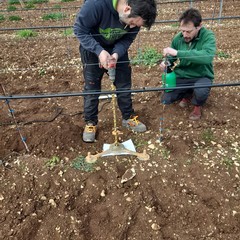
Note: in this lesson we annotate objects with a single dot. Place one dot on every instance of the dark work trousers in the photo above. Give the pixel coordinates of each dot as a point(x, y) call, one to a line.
point(198, 96)
point(93, 75)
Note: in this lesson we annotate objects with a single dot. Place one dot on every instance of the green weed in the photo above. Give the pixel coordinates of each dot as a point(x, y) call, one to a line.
point(42, 72)
point(175, 25)
point(149, 56)
point(54, 16)
point(223, 54)
point(11, 8)
point(2, 18)
point(165, 153)
point(207, 135)
point(11, 2)
point(139, 143)
point(228, 162)
point(14, 18)
point(29, 5)
point(80, 164)
point(57, 6)
point(26, 33)
point(52, 162)
point(67, 32)
point(39, 1)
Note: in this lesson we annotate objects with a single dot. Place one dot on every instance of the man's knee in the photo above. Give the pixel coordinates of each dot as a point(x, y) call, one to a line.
point(167, 98)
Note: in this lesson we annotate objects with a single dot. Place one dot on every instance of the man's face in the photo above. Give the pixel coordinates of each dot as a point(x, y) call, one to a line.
point(131, 22)
point(189, 31)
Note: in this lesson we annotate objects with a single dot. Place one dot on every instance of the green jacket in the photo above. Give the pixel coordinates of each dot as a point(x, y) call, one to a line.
point(196, 57)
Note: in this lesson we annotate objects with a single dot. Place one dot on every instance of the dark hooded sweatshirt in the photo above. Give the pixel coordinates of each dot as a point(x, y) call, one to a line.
point(98, 27)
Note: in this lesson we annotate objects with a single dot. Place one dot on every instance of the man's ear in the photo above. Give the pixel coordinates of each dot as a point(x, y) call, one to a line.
point(127, 9)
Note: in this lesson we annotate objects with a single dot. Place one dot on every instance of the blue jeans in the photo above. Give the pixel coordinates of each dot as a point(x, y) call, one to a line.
point(198, 95)
point(93, 76)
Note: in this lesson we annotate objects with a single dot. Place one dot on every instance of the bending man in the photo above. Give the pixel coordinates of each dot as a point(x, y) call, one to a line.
point(106, 29)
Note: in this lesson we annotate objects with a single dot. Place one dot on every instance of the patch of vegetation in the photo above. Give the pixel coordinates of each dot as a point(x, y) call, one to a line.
point(11, 8)
point(42, 72)
point(207, 135)
point(29, 5)
point(140, 142)
point(149, 57)
point(228, 162)
point(26, 33)
point(15, 18)
point(67, 32)
point(57, 6)
point(53, 16)
point(165, 153)
point(80, 164)
point(175, 25)
point(2, 18)
point(39, 1)
point(11, 2)
point(52, 162)
point(222, 54)
point(67, 0)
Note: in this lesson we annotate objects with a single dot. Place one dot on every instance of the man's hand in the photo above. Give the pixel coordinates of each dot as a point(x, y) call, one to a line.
point(105, 58)
point(169, 51)
point(162, 66)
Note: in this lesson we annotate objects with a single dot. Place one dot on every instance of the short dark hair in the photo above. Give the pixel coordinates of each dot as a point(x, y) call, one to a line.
point(191, 15)
point(146, 9)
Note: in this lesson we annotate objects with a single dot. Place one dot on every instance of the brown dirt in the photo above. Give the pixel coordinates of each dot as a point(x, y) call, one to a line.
point(188, 190)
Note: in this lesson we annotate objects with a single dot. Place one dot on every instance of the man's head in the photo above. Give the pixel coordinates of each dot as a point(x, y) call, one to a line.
point(190, 24)
point(137, 13)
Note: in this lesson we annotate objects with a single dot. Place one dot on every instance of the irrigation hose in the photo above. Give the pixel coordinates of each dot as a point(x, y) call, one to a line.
point(141, 90)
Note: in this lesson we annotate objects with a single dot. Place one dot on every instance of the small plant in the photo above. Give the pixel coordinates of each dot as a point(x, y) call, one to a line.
point(165, 153)
point(223, 54)
point(11, 2)
point(54, 16)
point(80, 164)
point(149, 57)
point(29, 5)
point(26, 33)
point(56, 6)
point(207, 135)
point(52, 162)
point(14, 18)
point(68, 32)
point(67, 0)
point(175, 25)
point(11, 8)
point(39, 1)
point(2, 18)
point(228, 162)
point(42, 72)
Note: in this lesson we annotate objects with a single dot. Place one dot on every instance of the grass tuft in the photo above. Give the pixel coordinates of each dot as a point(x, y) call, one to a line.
point(11, 8)
point(26, 33)
point(53, 16)
point(2, 18)
point(15, 18)
point(80, 164)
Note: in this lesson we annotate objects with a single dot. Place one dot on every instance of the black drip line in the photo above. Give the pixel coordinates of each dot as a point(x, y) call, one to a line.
point(106, 92)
